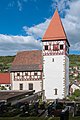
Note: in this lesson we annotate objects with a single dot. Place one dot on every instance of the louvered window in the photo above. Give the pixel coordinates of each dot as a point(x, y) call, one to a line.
point(46, 47)
point(55, 47)
point(61, 47)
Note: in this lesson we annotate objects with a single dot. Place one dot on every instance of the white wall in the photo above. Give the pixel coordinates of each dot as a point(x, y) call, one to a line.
point(54, 73)
point(67, 75)
point(37, 85)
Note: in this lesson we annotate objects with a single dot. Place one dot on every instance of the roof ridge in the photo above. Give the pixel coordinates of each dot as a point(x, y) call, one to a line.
point(28, 51)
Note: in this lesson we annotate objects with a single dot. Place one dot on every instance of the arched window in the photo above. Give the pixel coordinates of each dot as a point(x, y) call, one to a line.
point(55, 91)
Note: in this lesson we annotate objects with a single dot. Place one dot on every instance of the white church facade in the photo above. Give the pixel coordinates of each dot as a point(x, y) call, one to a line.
point(48, 69)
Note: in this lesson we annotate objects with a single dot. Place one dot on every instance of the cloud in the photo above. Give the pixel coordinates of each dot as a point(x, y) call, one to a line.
point(30, 0)
point(11, 4)
point(19, 5)
point(69, 11)
point(9, 44)
point(71, 20)
point(37, 30)
point(61, 5)
point(71, 23)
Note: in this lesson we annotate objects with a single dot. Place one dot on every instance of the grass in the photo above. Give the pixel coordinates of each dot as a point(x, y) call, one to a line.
point(37, 118)
point(29, 118)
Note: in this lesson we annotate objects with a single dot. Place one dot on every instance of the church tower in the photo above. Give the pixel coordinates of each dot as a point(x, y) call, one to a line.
point(55, 60)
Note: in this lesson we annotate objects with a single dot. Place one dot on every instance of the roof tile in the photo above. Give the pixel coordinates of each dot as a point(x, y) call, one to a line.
point(4, 78)
point(27, 61)
point(55, 30)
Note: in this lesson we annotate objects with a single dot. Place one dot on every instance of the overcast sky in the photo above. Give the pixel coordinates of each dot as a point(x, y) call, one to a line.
point(23, 23)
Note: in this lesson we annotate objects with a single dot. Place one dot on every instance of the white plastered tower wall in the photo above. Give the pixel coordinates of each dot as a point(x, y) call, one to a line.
point(67, 74)
point(56, 72)
point(53, 76)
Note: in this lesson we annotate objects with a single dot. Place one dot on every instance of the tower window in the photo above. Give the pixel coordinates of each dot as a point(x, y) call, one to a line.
point(46, 47)
point(52, 59)
point(55, 47)
point(55, 91)
point(61, 47)
point(30, 86)
point(21, 86)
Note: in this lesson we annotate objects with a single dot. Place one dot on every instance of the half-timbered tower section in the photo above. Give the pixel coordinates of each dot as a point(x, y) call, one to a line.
point(26, 71)
point(55, 60)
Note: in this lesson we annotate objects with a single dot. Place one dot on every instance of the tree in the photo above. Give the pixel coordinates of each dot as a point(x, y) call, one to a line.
point(76, 93)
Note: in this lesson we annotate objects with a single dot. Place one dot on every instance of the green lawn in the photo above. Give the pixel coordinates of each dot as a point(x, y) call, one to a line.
point(36, 118)
point(29, 118)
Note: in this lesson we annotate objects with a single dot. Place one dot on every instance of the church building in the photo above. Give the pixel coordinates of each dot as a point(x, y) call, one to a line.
point(48, 69)
point(26, 71)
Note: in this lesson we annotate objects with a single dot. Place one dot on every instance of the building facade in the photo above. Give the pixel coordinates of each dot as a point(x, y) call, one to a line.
point(26, 71)
point(47, 69)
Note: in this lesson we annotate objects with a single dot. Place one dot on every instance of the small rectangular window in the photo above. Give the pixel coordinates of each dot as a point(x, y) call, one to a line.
point(26, 74)
point(46, 47)
point(30, 86)
point(55, 91)
point(35, 73)
point(21, 86)
point(52, 59)
point(18, 74)
point(55, 47)
point(61, 47)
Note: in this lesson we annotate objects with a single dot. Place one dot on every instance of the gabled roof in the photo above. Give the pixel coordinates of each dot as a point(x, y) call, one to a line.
point(27, 61)
point(55, 30)
point(4, 78)
point(77, 83)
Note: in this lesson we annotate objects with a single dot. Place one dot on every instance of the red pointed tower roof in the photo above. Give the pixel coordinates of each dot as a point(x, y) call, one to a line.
point(55, 30)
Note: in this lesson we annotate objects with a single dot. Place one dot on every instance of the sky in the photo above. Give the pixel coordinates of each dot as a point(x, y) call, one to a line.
point(23, 23)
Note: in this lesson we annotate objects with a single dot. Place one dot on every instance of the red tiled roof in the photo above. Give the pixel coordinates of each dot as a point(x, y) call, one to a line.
point(4, 78)
point(55, 30)
point(27, 61)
